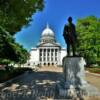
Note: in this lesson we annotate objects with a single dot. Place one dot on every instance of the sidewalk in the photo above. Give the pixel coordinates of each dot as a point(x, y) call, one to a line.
point(93, 79)
point(40, 85)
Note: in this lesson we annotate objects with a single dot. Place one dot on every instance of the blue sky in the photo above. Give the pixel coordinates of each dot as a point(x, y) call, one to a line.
point(55, 13)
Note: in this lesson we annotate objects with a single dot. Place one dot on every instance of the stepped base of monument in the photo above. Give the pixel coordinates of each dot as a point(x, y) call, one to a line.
point(86, 90)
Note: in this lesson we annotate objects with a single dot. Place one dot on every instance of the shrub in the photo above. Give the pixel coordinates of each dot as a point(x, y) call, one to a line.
point(12, 72)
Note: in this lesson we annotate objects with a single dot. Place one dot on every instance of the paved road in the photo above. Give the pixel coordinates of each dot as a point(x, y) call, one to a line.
point(34, 86)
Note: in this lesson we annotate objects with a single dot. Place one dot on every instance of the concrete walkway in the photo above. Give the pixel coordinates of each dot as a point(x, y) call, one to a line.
point(93, 79)
point(34, 86)
point(39, 85)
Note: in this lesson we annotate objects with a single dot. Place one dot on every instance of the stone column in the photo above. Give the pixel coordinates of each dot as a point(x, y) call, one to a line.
point(50, 55)
point(46, 55)
point(42, 56)
point(54, 56)
point(57, 56)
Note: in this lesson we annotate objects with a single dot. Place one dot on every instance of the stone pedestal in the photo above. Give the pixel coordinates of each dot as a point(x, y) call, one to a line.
point(73, 70)
point(73, 84)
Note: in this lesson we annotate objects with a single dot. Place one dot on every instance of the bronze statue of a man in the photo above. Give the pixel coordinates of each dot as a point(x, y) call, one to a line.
point(69, 35)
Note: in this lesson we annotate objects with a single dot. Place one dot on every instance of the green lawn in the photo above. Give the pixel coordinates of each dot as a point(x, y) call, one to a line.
point(94, 69)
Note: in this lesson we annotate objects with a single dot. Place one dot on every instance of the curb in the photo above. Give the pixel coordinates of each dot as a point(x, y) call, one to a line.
point(15, 78)
point(93, 73)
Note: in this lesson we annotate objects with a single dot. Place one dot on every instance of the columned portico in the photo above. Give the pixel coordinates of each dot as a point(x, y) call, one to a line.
point(49, 56)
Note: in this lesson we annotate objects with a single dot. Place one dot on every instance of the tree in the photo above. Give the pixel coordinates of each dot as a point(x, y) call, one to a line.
point(11, 51)
point(88, 32)
point(14, 14)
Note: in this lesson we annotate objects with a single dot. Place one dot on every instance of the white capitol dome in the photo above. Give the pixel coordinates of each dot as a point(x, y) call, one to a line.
point(47, 31)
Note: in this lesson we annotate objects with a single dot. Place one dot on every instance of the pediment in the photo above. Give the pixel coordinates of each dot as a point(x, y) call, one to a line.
point(49, 44)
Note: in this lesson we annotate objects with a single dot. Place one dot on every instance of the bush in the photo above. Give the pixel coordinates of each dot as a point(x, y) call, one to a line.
point(12, 72)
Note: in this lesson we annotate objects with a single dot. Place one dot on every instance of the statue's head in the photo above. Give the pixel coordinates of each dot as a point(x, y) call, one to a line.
point(69, 19)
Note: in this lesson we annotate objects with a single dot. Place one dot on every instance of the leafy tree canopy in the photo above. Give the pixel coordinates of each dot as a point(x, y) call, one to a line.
point(16, 13)
point(13, 15)
point(88, 30)
point(11, 51)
